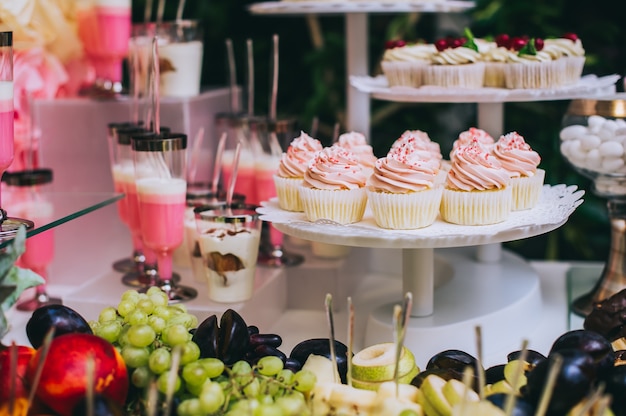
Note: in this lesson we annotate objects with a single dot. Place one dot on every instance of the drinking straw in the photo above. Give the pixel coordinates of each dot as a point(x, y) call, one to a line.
point(250, 77)
point(147, 12)
point(274, 80)
point(157, 158)
point(233, 178)
point(217, 167)
point(232, 76)
point(179, 11)
point(195, 151)
point(160, 11)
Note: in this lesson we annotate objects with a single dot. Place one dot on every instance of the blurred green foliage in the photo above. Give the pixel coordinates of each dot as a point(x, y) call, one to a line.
point(313, 83)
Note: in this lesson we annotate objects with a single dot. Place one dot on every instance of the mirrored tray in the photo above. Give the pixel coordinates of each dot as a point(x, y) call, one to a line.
point(365, 6)
point(556, 204)
point(68, 206)
point(588, 86)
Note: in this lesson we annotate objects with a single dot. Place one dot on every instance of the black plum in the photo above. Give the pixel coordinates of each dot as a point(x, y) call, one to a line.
point(590, 342)
point(494, 374)
point(321, 346)
point(453, 359)
point(532, 357)
point(229, 341)
point(521, 408)
point(63, 319)
point(574, 380)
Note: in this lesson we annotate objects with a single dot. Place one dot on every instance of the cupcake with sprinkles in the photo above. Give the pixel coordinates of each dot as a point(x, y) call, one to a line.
point(403, 192)
point(357, 144)
point(468, 136)
point(477, 189)
point(333, 187)
point(517, 158)
point(290, 173)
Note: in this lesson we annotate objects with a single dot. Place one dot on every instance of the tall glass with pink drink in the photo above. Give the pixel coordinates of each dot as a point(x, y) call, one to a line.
point(105, 29)
point(160, 171)
point(6, 101)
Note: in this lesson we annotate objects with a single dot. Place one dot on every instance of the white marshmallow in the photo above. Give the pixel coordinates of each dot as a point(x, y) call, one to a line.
point(589, 141)
point(612, 164)
point(593, 160)
point(572, 132)
point(611, 149)
point(595, 123)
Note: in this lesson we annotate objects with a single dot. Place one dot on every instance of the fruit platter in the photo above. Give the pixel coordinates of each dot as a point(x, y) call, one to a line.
point(143, 356)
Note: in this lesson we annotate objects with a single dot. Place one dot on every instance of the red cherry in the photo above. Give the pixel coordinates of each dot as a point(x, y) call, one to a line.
point(456, 43)
point(503, 40)
point(400, 43)
point(390, 44)
point(538, 44)
point(441, 44)
point(518, 43)
point(571, 36)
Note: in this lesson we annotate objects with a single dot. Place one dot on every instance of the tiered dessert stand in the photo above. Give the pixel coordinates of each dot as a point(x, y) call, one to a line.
point(469, 281)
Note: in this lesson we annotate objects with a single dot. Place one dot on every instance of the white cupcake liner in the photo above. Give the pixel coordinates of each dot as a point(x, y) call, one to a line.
point(535, 74)
point(476, 207)
point(462, 76)
point(573, 68)
point(494, 75)
point(404, 74)
point(343, 206)
point(526, 190)
point(405, 211)
point(288, 193)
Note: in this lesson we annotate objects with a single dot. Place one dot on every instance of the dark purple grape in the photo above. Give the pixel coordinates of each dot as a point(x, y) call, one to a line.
point(234, 340)
point(532, 357)
point(206, 336)
point(63, 319)
point(494, 374)
point(265, 350)
point(453, 359)
point(293, 365)
point(265, 339)
point(590, 342)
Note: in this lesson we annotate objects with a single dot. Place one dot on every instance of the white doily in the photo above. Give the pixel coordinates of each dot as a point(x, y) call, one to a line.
point(555, 206)
point(589, 85)
point(367, 6)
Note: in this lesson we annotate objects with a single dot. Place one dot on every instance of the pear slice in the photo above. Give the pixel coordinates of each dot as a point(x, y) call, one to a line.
point(432, 387)
point(390, 406)
point(512, 371)
point(429, 410)
point(501, 386)
point(342, 398)
point(481, 408)
point(374, 385)
point(377, 363)
point(454, 390)
point(405, 391)
point(322, 367)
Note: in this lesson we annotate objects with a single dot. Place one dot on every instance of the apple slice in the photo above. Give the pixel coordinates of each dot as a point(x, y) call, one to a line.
point(482, 408)
point(322, 367)
point(501, 386)
point(432, 387)
point(454, 390)
point(342, 399)
point(377, 363)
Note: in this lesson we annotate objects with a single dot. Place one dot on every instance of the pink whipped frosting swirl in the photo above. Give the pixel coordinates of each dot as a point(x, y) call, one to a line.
point(473, 168)
point(295, 160)
point(419, 141)
point(470, 135)
point(356, 142)
point(335, 168)
point(404, 170)
point(516, 156)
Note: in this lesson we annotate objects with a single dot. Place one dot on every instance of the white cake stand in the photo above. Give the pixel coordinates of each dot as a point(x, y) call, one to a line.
point(494, 295)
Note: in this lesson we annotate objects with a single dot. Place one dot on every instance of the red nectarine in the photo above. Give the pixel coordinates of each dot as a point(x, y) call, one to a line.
point(24, 354)
point(64, 376)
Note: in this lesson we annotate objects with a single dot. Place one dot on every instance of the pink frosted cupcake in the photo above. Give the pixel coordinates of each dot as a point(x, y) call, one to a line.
point(517, 158)
point(468, 136)
point(402, 191)
point(291, 170)
point(421, 142)
point(357, 144)
point(333, 187)
point(455, 64)
point(477, 190)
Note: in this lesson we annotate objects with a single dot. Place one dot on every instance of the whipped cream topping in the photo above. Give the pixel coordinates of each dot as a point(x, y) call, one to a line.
point(404, 170)
point(410, 53)
point(516, 156)
point(455, 56)
point(563, 47)
point(498, 54)
point(474, 169)
point(541, 56)
point(356, 142)
point(335, 168)
point(294, 161)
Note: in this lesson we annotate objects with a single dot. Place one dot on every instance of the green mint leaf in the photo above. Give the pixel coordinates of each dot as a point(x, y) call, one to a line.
point(470, 43)
point(11, 252)
point(529, 48)
point(20, 279)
